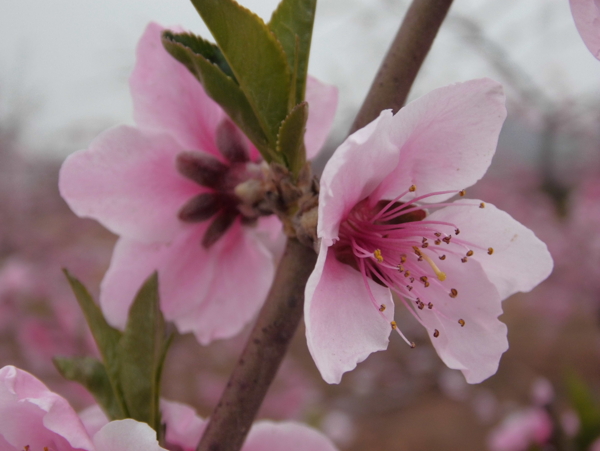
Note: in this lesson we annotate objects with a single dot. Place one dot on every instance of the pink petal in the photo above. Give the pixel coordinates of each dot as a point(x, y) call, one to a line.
point(184, 426)
point(446, 139)
point(342, 325)
point(126, 435)
point(322, 102)
point(185, 270)
point(476, 348)
point(30, 414)
point(586, 14)
point(286, 436)
point(354, 172)
point(242, 276)
point(127, 180)
point(93, 419)
point(167, 97)
point(520, 260)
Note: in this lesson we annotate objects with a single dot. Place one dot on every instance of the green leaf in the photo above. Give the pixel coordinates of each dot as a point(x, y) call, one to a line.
point(292, 23)
point(256, 58)
point(291, 137)
point(106, 336)
point(194, 53)
point(587, 408)
point(141, 352)
point(91, 373)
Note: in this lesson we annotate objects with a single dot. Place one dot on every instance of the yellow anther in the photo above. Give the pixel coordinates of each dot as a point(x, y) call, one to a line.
point(403, 258)
point(394, 326)
point(439, 274)
point(461, 322)
point(382, 308)
point(490, 250)
point(470, 253)
point(378, 256)
point(482, 205)
point(462, 192)
point(412, 188)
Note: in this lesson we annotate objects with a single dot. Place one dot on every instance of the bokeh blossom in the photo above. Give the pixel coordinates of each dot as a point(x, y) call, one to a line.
point(178, 189)
point(386, 226)
point(586, 14)
point(34, 418)
point(521, 430)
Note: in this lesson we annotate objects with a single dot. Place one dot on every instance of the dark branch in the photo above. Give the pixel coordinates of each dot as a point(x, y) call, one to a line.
point(400, 66)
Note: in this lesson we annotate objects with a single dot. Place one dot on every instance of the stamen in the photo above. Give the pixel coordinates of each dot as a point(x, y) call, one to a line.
point(378, 256)
point(395, 327)
point(407, 273)
point(456, 231)
point(470, 253)
point(464, 259)
point(482, 205)
point(490, 250)
point(382, 308)
point(440, 275)
point(438, 242)
point(447, 239)
point(400, 268)
point(453, 292)
point(436, 333)
point(462, 192)
point(430, 306)
point(412, 188)
point(425, 245)
point(461, 322)
point(438, 234)
point(403, 258)
point(442, 257)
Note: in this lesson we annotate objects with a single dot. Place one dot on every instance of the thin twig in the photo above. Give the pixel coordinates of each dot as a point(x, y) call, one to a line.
point(400, 66)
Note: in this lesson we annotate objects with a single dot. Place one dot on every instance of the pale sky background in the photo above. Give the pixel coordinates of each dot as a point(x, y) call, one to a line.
point(68, 61)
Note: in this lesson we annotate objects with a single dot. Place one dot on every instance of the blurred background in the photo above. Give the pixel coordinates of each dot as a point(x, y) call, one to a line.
point(64, 68)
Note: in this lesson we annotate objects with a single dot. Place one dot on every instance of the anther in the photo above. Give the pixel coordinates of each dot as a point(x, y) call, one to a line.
point(425, 245)
point(413, 345)
point(407, 273)
point(447, 239)
point(464, 259)
point(412, 188)
point(438, 242)
point(482, 205)
point(420, 305)
point(382, 308)
point(436, 333)
point(470, 253)
point(456, 231)
point(400, 268)
point(409, 288)
point(453, 292)
point(426, 284)
point(430, 306)
point(417, 251)
point(424, 240)
point(412, 279)
point(420, 259)
point(461, 322)
point(438, 234)
point(462, 192)
point(423, 279)
point(490, 250)
point(394, 325)
point(442, 257)
point(378, 256)
point(403, 258)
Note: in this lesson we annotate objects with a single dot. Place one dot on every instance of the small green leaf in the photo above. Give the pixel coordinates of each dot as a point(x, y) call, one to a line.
point(256, 58)
point(588, 410)
point(91, 373)
point(292, 22)
point(141, 353)
point(222, 88)
point(291, 137)
point(106, 336)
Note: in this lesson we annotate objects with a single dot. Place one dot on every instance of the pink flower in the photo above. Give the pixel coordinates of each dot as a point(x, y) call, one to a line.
point(33, 418)
point(521, 430)
point(170, 189)
point(586, 14)
point(378, 238)
point(184, 428)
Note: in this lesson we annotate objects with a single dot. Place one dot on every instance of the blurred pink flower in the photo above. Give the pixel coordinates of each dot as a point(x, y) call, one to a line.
point(184, 429)
point(521, 430)
point(376, 239)
point(586, 14)
point(34, 418)
point(158, 185)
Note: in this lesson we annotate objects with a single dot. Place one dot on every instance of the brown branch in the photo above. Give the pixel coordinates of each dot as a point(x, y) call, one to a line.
point(279, 318)
point(266, 347)
point(400, 66)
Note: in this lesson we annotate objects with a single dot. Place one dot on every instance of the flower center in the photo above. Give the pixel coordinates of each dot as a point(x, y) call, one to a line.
point(235, 189)
point(393, 244)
